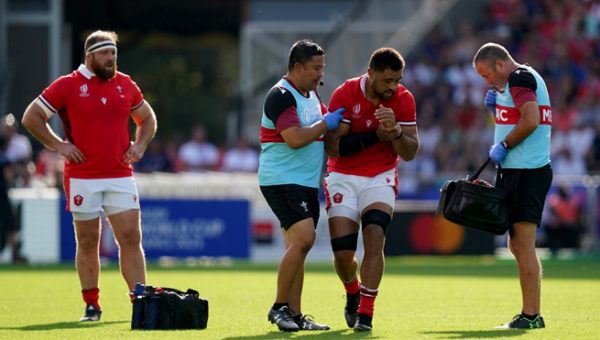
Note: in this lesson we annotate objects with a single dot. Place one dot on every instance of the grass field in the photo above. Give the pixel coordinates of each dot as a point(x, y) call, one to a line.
point(420, 298)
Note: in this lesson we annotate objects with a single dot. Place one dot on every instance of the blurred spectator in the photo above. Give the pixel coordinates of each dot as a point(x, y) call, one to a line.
point(155, 159)
point(240, 158)
point(18, 152)
point(9, 226)
point(50, 167)
point(563, 226)
point(593, 155)
point(198, 154)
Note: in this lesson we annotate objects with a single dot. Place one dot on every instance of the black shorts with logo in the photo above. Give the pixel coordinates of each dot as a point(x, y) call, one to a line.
point(527, 190)
point(292, 203)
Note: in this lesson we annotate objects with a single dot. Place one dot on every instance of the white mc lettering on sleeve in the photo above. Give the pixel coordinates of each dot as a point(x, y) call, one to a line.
point(500, 115)
point(547, 115)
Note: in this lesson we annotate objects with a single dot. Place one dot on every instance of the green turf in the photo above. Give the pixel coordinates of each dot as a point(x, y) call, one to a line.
point(420, 298)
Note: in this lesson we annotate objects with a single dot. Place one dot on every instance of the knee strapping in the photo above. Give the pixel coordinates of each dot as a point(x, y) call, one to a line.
point(376, 217)
point(347, 242)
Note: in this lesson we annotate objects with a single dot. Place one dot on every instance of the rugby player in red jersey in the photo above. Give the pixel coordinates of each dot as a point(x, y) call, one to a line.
point(361, 185)
point(94, 104)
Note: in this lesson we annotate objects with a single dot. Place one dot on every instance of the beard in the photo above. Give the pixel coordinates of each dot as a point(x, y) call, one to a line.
point(384, 95)
point(104, 71)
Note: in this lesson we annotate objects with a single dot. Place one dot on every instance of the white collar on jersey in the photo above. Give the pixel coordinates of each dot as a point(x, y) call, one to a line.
point(363, 83)
point(85, 72)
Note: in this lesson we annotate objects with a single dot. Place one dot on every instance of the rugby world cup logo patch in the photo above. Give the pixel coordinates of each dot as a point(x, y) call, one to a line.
point(356, 111)
point(83, 91)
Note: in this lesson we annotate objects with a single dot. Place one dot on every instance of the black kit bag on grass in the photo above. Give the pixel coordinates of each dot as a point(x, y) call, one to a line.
point(475, 203)
point(168, 308)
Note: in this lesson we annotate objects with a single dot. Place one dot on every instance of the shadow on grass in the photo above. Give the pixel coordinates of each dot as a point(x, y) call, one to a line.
point(63, 325)
point(347, 333)
point(495, 333)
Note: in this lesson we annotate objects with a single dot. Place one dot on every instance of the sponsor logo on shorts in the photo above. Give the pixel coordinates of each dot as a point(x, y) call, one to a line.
point(304, 205)
point(338, 198)
point(135, 198)
point(78, 200)
point(388, 180)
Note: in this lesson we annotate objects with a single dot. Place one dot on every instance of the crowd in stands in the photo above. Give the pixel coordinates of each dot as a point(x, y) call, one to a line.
point(558, 38)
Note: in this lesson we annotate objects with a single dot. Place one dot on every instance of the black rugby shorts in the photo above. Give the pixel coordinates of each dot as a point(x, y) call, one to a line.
point(292, 203)
point(527, 190)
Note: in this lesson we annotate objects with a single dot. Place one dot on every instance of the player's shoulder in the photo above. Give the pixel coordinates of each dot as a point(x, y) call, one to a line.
point(349, 86)
point(123, 75)
point(522, 77)
point(352, 83)
point(280, 95)
point(403, 94)
point(67, 79)
point(279, 92)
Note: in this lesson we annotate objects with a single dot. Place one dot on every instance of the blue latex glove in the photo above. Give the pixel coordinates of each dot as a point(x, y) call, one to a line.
point(332, 119)
point(498, 152)
point(490, 101)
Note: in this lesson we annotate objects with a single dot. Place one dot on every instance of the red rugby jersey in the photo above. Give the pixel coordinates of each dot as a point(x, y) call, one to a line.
point(95, 117)
point(360, 111)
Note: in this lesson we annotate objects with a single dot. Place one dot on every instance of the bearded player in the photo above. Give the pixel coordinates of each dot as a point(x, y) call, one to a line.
point(361, 184)
point(94, 104)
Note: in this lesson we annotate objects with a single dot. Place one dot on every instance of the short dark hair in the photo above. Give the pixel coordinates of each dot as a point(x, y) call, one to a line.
point(302, 52)
point(386, 57)
point(99, 35)
point(490, 52)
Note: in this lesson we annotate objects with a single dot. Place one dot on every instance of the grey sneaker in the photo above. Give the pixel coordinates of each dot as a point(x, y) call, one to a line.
point(283, 319)
point(307, 323)
point(522, 322)
point(91, 314)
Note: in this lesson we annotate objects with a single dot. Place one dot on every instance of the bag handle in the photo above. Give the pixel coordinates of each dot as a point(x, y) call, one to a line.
point(190, 291)
point(478, 172)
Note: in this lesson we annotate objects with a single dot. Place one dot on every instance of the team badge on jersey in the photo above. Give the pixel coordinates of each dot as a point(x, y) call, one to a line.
point(78, 200)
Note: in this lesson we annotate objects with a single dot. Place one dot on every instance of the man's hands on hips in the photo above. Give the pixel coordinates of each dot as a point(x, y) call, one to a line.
point(498, 152)
point(70, 152)
point(134, 153)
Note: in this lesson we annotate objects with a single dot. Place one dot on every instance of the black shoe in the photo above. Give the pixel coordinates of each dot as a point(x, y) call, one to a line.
point(307, 323)
point(522, 322)
point(364, 323)
point(283, 319)
point(91, 313)
point(352, 301)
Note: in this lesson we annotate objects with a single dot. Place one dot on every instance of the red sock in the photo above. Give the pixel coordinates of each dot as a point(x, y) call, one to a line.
point(352, 287)
point(91, 296)
point(367, 301)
